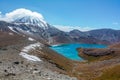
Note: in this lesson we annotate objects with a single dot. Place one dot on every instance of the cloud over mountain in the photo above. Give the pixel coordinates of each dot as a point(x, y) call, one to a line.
point(70, 28)
point(20, 13)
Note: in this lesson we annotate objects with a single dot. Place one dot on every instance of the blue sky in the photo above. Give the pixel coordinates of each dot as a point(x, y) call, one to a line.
point(89, 14)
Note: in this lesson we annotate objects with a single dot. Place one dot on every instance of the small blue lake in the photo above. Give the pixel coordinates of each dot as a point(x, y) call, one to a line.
point(69, 50)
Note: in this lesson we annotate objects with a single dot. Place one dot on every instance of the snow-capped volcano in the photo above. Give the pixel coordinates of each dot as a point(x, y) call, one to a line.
point(27, 22)
point(30, 20)
point(32, 24)
point(25, 16)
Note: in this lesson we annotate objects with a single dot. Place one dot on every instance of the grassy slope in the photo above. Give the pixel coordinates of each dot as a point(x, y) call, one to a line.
point(97, 66)
point(57, 59)
point(110, 74)
point(6, 39)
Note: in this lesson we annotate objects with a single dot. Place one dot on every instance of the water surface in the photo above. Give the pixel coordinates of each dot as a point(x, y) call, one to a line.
point(69, 50)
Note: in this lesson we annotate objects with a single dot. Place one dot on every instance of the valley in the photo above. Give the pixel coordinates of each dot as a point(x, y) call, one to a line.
point(30, 46)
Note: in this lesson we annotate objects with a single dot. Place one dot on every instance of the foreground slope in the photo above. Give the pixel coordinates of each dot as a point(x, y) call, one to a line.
point(102, 64)
point(14, 66)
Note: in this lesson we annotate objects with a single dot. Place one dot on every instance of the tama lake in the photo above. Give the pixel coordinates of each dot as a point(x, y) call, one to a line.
point(70, 50)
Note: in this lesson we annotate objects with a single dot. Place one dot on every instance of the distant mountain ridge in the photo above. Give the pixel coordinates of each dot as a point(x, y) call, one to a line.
point(32, 24)
point(104, 35)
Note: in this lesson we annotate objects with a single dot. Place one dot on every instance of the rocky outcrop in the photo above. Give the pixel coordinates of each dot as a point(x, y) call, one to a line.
point(112, 50)
point(96, 52)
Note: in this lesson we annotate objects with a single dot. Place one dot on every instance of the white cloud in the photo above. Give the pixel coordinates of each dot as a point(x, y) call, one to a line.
point(115, 23)
point(11, 16)
point(69, 28)
point(20, 13)
point(0, 14)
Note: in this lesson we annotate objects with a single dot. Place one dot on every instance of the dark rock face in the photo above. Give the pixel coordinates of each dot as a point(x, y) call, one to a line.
point(16, 62)
point(77, 33)
point(96, 52)
point(3, 26)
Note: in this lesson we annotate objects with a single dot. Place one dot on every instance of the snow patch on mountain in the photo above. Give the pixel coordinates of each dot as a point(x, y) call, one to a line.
point(11, 34)
point(31, 39)
point(11, 28)
point(30, 57)
point(26, 50)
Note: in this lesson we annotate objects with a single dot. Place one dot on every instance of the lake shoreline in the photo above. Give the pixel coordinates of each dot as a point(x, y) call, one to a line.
point(70, 50)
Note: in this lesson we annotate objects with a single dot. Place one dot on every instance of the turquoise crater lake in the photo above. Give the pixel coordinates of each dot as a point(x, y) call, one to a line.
point(69, 50)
